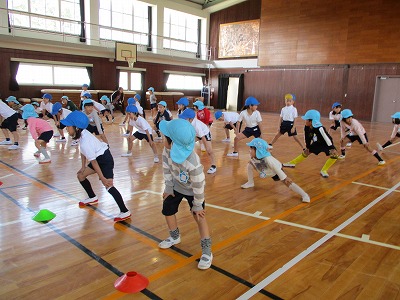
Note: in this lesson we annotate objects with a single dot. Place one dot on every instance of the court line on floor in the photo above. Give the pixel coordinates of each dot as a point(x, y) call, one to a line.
point(27, 168)
point(275, 275)
point(375, 186)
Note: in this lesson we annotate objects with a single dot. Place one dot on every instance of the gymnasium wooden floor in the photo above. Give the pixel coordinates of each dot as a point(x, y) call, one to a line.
point(267, 244)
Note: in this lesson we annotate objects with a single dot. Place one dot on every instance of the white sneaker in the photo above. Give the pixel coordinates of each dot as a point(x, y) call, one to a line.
point(247, 185)
point(126, 154)
point(45, 161)
point(379, 146)
point(349, 145)
point(156, 159)
point(381, 163)
point(306, 199)
point(324, 174)
point(212, 170)
point(126, 134)
point(205, 261)
point(13, 147)
point(61, 141)
point(169, 242)
point(226, 140)
point(342, 157)
point(233, 154)
point(270, 146)
point(289, 165)
point(5, 142)
point(56, 134)
point(75, 143)
point(122, 216)
point(89, 201)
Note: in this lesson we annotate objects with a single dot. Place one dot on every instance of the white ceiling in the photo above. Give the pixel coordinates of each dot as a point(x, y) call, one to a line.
point(215, 5)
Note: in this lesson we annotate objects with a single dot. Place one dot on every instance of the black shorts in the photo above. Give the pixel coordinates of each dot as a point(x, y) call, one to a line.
point(317, 148)
point(207, 136)
point(171, 203)
point(49, 115)
point(141, 136)
point(354, 138)
point(10, 123)
point(153, 105)
point(61, 126)
point(106, 164)
point(336, 126)
point(93, 129)
point(46, 136)
point(286, 126)
point(228, 126)
point(252, 131)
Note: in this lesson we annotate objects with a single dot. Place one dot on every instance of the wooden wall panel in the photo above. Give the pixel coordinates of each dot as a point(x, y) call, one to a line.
point(303, 32)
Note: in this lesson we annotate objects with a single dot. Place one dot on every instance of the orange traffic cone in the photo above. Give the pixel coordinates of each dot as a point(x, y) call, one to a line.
point(131, 282)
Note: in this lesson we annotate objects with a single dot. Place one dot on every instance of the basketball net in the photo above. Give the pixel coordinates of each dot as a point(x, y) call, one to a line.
point(131, 61)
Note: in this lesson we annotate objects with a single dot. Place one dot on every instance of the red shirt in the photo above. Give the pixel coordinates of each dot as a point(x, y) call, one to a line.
point(204, 115)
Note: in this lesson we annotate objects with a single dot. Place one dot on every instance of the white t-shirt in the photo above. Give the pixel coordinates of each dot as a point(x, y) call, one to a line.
point(268, 167)
point(289, 113)
point(98, 105)
point(251, 120)
point(200, 128)
point(355, 129)
point(5, 110)
point(230, 117)
point(65, 113)
point(139, 107)
point(141, 124)
point(335, 117)
point(48, 106)
point(90, 146)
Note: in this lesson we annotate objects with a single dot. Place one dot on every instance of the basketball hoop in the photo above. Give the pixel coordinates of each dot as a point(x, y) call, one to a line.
point(131, 61)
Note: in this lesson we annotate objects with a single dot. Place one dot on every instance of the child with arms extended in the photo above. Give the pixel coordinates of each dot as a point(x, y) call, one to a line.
point(230, 120)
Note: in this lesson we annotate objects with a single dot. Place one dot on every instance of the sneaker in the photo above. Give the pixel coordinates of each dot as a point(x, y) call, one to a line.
point(205, 261)
point(212, 170)
point(45, 161)
point(233, 154)
point(126, 134)
point(169, 242)
point(247, 185)
point(126, 154)
point(75, 143)
point(381, 163)
point(226, 140)
point(342, 156)
point(89, 201)
point(13, 147)
point(270, 146)
point(5, 142)
point(306, 199)
point(156, 159)
point(288, 165)
point(379, 146)
point(349, 145)
point(122, 216)
point(36, 154)
point(324, 174)
point(56, 134)
point(61, 140)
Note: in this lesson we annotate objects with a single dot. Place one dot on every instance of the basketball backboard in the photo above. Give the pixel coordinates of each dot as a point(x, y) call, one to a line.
point(126, 52)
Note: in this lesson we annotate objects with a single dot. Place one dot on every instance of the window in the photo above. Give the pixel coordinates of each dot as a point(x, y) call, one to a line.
point(184, 82)
point(131, 81)
point(48, 15)
point(124, 20)
point(180, 31)
point(40, 74)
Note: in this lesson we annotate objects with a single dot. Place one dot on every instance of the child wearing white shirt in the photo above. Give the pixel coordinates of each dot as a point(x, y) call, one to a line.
point(230, 120)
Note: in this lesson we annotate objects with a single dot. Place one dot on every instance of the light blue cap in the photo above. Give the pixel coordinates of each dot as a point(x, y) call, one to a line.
point(314, 116)
point(132, 109)
point(396, 116)
point(28, 111)
point(188, 113)
point(104, 97)
point(77, 119)
point(163, 103)
point(251, 101)
point(199, 104)
point(65, 97)
point(87, 95)
point(131, 101)
point(183, 101)
point(346, 113)
point(56, 108)
point(151, 89)
point(261, 147)
point(182, 134)
point(87, 102)
point(218, 114)
point(12, 99)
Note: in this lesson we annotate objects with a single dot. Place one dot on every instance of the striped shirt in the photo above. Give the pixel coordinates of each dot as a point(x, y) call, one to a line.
point(186, 178)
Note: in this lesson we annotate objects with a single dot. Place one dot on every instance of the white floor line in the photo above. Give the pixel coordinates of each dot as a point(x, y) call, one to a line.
point(374, 186)
point(27, 168)
point(146, 191)
point(391, 145)
point(314, 246)
point(255, 215)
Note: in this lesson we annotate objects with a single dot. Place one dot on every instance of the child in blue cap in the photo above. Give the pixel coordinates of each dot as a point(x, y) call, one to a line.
point(68, 104)
point(351, 130)
point(317, 140)
point(46, 106)
point(268, 166)
point(84, 90)
point(9, 123)
point(395, 133)
point(184, 178)
point(335, 115)
point(95, 125)
point(100, 161)
point(15, 105)
point(252, 117)
point(230, 120)
point(182, 103)
point(109, 108)
point(60, 113)
point(202, 113)
point(153, 102)
point(162, 114)
point(287, 119)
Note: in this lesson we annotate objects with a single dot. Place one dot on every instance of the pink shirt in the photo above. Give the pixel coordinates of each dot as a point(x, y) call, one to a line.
point(37, 127)
point(355, 129)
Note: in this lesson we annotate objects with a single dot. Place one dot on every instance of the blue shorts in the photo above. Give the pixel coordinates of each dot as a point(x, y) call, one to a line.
point(171, 203)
